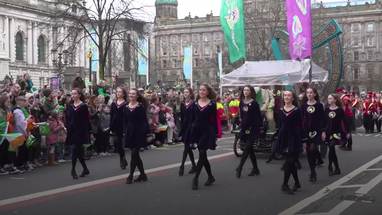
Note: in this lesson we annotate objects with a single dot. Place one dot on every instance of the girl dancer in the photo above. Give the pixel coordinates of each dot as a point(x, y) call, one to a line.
point(116, 124)
point(204, 131)
point(78, 126)
point(335, 131)
point(136, 130)
point(187, 116)
point(250, 117)
point(313, 126)
point(290, 139)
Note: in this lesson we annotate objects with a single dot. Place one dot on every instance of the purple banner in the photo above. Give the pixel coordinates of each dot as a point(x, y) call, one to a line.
point(299, 28)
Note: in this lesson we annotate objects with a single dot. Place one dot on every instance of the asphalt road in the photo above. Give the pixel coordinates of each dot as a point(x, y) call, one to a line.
point(50, 190)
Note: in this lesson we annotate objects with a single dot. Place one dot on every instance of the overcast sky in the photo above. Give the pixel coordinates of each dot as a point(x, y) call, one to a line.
point(196, 7)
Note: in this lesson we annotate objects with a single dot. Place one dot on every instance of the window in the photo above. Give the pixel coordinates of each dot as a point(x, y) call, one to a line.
point(175, 63)
point(355, 27)
point(356, 73)
point(164, 63)
point(41, 49)
point(356, 41)
point(196, 50)
point(197, 62)
point(370, 27)
point(207, 50)
point(19, 46)
point(356, 56)
point(370, 72)
point(370, 41)
point(370, 55)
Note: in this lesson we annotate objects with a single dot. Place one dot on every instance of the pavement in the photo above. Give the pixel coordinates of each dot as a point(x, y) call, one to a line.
point(50, 190)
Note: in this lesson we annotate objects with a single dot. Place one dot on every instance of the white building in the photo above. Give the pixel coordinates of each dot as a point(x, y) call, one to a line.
point(29, 30)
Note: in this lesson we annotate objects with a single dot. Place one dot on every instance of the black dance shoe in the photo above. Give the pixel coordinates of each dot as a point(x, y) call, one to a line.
point(123, 163)
point(74, 174)
point(181, 171)
point(192, 170)
point(337, 172)
point(296, 187)
point(331, 173)
point(255, 171)
point(285, 188)
point(209, 181)
point(129, 180)
point(313, 177)
point(238, 173)
point(84, 173)
point(141, 178)
point(195, 184)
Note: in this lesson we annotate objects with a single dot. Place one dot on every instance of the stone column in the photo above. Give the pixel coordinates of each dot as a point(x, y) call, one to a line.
point(34, 42)
point(6, 39)
point(12, 45)
point(30, 43)
point(51, 45)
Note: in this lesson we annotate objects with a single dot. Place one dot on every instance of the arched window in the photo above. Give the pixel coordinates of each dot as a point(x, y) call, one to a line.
point(19, 46)
point(41, 49)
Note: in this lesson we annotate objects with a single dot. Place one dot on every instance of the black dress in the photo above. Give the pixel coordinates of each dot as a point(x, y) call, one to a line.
point(78, 124)
point(205, 126)
point(289, 140)
point(116, 118)
point(313, 122)
point(250, 124)
point(335, 126)
point(187, 117)
point(136, 127)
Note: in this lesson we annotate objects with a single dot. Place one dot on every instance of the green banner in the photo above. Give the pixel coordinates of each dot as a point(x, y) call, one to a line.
point(232, 22)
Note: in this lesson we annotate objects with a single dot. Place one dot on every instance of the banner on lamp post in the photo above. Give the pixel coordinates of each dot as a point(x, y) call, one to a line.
point(299, 24)
point(187, 63)
point(143, 51)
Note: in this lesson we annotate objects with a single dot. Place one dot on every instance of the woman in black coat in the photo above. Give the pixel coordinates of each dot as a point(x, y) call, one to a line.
point(289, 141)
point(313, 126)
point(250, 122)
point(78, 127)
point(136, 128)
point(116, 124)
point(204, 131)
point(187, 117)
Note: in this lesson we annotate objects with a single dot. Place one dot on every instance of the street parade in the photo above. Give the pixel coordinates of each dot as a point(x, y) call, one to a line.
point(126, 107)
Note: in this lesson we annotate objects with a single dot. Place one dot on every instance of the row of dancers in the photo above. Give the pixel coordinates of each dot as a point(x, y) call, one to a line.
point(311, 123)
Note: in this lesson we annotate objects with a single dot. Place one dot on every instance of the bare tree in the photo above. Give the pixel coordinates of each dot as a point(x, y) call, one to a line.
point(101, 21)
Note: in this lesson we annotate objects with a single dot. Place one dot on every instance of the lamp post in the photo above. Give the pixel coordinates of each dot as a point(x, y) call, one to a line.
point(89, 56)
point(60, 60)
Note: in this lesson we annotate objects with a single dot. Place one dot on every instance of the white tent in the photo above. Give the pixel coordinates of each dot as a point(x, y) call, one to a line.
point(283, 72)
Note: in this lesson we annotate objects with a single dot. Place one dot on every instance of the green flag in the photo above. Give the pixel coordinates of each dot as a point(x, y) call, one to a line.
point(232, 22)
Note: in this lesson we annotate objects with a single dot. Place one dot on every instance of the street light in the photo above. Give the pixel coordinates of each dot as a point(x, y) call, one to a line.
point(60, 60)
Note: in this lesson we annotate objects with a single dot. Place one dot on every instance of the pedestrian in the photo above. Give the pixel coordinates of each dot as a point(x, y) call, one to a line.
point(250, 122)
point(116, 124)
point(313, 126)
point(335, 131)
point(187, 117)
point(289, 140)
point(204, 131)
point(137, 128)
point(78, 131)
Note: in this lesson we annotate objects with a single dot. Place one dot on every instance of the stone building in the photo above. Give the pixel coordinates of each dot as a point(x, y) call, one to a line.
point(362, 39)
point(29, 30)
point(170, 35)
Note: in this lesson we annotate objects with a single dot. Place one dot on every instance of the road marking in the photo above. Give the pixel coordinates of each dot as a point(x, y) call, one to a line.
point(19, 199)
point(337, 184)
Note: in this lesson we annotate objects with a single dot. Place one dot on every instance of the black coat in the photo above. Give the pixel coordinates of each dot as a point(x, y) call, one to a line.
point(78, 124)
point(290, 125)
point(116, 118)
point(136, 127)
point(250, 124)
point(186, 117)
point(313, 122)
point(204, 131)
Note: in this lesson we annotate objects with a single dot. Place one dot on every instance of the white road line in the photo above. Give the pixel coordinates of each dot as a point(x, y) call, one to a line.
point(326, 190)
point(46, 193)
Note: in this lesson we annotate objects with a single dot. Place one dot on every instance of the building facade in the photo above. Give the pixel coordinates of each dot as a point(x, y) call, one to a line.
point(361, 22)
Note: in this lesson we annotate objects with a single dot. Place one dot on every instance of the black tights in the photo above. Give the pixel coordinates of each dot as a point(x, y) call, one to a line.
point(188, 151)
point(118, 144)
point(248, 152)
point(203, 161)
point(78, 152)
point(332, 157)
point(290, 168)
point(313, 156)
point(135, 162)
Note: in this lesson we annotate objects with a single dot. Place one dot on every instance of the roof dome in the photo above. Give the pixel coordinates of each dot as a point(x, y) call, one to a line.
point(159, 2)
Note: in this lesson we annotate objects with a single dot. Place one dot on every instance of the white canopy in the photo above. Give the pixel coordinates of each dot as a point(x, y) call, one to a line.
point(283, 72)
